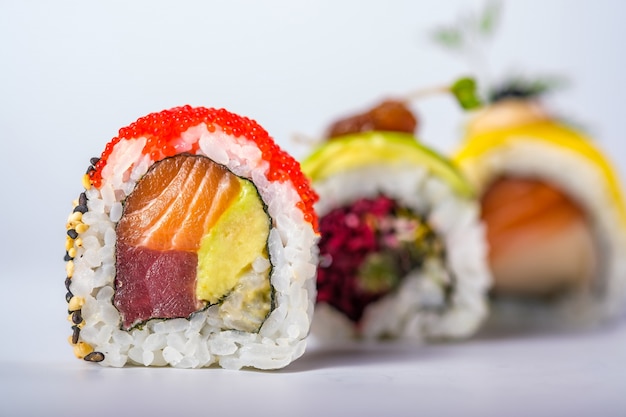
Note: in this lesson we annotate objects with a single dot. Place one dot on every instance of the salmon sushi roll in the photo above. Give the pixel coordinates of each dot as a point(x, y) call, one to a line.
point(193, 244)
point(554, 211)
point(402, 250)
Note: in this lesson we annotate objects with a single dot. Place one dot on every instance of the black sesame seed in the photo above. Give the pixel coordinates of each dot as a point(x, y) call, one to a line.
point(72, 233)
point(82, 199)
point(95, 357)
point(89, 169)
point(75, 334)
point(67, 257)
point(68, 281)
point(94, 160)
point(77, 318)
point(80, 208)
point(68, 296)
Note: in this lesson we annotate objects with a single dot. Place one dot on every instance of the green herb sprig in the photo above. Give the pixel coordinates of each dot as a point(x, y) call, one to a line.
point(466, 93)
point(469, 28)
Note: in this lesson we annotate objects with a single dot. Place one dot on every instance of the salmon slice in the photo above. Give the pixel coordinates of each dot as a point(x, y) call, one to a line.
point(175, 203)
point(526, 221)
point(517, 205)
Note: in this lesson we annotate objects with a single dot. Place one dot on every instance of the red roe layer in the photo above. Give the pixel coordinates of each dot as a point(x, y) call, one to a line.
point(162, 129)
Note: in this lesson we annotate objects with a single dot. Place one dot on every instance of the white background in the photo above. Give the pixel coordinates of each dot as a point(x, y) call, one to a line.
point(73, 72)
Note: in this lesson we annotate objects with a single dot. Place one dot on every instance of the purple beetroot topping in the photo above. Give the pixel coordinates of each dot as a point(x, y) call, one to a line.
point(346, 240)
point(366, 248)
point(146, 292)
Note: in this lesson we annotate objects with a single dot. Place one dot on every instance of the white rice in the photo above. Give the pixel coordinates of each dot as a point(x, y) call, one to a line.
point(584, 183)
point(417, 309)
point(207, 337)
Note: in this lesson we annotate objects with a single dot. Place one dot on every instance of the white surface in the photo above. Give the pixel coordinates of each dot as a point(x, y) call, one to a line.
point(73, 72)
point(571, 375)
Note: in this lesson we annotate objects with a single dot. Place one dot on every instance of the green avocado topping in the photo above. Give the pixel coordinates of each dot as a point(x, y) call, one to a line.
point(375, 148)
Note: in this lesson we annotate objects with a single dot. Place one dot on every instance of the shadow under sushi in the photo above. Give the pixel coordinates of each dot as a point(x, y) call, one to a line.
point(356, 353)
point(498, 328)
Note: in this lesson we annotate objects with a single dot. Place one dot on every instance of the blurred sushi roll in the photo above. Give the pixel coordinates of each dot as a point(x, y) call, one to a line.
point(193, 244)
point(554, 211)
point(402, 251)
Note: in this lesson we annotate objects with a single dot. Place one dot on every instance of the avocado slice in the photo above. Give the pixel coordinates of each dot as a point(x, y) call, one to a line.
point(228, 249)
point(378, 147)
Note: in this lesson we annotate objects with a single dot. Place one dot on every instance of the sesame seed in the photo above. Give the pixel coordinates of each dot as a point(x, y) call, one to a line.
point(86, 181)
point(75, 334)
point(80, 209)
point(82, 349)
point(72, 233)
point(69, 243)
point(76, 216)
point(81, 228)
point(95, 357)
point(77, 318)
point(69, 268)
point(76, 303)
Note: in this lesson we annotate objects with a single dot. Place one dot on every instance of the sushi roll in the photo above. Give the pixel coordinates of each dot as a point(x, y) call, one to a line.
point(402, 252)
point(554, 212)
point(193, 244)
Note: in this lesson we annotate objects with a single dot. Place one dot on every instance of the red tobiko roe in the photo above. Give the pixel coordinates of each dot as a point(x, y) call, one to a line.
point(162, 128)
point(347, 238)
